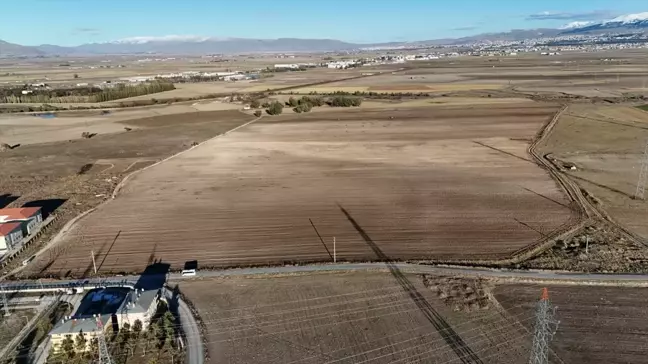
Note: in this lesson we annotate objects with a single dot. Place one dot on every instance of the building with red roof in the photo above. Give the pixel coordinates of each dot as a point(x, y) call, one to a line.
point(23, 219)
point(10, 235)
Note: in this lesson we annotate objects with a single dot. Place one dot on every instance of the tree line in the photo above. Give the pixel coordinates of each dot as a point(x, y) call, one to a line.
point(306, 104)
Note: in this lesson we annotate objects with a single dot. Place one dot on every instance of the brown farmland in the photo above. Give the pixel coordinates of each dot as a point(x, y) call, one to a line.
point(598, 325)
point(605, 143)
point(445, 183)
point(349, 318)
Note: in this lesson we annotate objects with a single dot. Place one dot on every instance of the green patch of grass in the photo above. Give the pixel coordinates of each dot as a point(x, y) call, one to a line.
point(643, 107)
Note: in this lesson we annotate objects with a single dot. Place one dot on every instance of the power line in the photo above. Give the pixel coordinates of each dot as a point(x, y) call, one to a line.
point(643, 176)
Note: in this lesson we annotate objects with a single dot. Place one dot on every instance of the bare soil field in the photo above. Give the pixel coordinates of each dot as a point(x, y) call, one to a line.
point(73, 176)
point(351, 318)
point(605, 325)
point(605, 144)
point(68, 125)
point(446, 183)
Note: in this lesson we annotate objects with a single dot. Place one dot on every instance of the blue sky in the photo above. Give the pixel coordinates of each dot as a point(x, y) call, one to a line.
point(73, 22)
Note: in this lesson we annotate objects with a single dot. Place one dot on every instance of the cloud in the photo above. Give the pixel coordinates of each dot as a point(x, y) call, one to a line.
point(86, 30)
point(465, 28)
point(586, 15)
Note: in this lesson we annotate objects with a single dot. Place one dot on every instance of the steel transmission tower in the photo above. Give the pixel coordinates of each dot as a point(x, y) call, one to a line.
point(545, 328)
point(643, 176)
point(104, 355)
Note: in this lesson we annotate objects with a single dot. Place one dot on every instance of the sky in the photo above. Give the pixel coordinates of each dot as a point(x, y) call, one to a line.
point(74, 22)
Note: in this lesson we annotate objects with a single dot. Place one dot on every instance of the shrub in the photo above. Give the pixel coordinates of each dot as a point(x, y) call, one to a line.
point(275, 108)
point(345, 101)
point(257, 113)
point(255, 104)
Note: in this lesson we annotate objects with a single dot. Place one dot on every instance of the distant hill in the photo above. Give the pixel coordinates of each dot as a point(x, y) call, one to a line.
point(10, 49)
point(631, 22)
point(179, 44)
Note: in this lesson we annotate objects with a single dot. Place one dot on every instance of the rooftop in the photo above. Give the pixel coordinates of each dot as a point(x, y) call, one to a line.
point(139, 301)
point(101, 301)
point(74, 326)
point(7, 228)
point(20, 213)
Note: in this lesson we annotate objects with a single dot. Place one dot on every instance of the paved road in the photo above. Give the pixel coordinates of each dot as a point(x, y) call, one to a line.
point(190, 330)
point(620, 279)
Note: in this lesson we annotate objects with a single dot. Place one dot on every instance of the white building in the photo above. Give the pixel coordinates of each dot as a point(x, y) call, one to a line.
point(138, 305)
point(291, 66)
point(10, 236)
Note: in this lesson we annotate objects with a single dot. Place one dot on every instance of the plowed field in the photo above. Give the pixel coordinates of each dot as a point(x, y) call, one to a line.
point(425, 183)
point(598, 325)
point(349, 319)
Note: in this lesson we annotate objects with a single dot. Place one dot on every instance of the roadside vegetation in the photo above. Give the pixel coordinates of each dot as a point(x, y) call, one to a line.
point(643, 107)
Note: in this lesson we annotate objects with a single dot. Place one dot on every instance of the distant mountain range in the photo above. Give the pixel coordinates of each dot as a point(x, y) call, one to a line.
point(179, 44)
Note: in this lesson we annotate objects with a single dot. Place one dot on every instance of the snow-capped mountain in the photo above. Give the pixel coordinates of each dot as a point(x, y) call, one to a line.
point(630, 22)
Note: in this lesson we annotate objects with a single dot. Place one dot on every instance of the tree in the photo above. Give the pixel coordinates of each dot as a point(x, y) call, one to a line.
point(292, 102)
point(80, 342)
point(255, 104)
point(275, 108)
point(67, 346)
point(137, 328)
point(257, 113)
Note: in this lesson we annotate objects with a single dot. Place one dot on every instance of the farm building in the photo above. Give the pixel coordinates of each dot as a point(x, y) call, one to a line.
point(124, 305)
point(28, 217)
point(10, 235)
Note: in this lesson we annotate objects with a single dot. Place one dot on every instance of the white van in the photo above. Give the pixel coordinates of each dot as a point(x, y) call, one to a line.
point(26, 261)
point(188, 272)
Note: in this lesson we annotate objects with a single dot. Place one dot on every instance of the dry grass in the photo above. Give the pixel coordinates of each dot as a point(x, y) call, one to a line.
point(605, 143)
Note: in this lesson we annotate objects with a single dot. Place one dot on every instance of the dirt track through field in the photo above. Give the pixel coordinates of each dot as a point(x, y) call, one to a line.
point(425, 183)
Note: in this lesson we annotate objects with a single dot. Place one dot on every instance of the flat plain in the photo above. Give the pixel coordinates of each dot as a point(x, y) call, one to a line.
point(446, 182)
point(368, 317)
point(605, 143)
point(605, 325)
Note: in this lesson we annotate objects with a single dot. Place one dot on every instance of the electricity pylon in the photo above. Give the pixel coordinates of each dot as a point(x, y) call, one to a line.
point(545, 328)
point(104, 355)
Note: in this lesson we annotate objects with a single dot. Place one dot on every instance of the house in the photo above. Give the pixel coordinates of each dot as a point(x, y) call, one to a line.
point(138, 305)
point(10, 235)
point(29, 218)
point(109, 306)
point(72, 327)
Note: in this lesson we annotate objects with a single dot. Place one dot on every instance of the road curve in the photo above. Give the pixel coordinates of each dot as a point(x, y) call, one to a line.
point(190, 329)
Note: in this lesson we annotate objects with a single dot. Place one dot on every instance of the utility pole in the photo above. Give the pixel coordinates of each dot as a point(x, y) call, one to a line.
point(643, 176)
point(545, 328)
point(334, 252)
point(5, 303)
point(104, 354)
point(94, 263)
